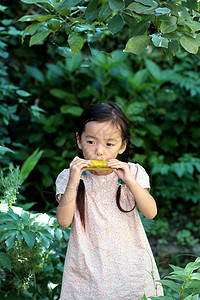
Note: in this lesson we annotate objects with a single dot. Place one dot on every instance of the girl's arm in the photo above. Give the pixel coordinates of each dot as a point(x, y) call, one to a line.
point(144, 200)
point(65, 209)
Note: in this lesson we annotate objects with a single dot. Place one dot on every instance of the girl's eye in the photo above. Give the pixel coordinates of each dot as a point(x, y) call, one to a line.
point(109, 144)
point(90, 142)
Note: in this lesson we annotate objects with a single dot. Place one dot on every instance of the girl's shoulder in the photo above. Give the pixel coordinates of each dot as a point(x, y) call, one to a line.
point(140, 174)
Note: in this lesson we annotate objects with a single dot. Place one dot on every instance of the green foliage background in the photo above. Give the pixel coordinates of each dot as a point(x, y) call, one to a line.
point(43, 91)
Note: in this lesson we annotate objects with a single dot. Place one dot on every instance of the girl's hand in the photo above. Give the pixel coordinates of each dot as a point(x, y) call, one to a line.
point(121, 169)
point(77, 166)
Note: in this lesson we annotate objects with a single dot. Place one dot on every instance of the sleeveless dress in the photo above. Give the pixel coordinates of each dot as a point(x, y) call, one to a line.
point(111, 259)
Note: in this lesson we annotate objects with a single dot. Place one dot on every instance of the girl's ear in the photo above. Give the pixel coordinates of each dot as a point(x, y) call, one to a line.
point(78, 140)
point(123, 147)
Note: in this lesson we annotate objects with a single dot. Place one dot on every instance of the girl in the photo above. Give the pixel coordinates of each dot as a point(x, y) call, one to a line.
point(108, 255)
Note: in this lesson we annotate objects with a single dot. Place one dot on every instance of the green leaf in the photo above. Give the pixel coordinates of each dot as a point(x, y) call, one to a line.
point(104, 12)
point(116, 5)
point(179, 169)
point(189, 44)
point(115, 24)
point(5, 260)
point(68, 3)
point(193, 25)
point(71, 110)
point(167, 27)
point(138, 8)
point(10, 242)
point(195, 276)
point(29, 237)
point(8, 227)
point(35, 73)
point(28, 18)
point(2, 7)
point(23, 93)
point(58, 234)
point(140, 28)
point(179, 11)
point(31, 29)
point(72, 64)
point(30, 163)
point(65, 52)
point(172, 48)
point(162, 11)
point(154, 129)
point(159, 41)
point(137, 44)
point(5, 149)
point(39, 37)
point(153, 68)
point(171, 284)
point(76, 43)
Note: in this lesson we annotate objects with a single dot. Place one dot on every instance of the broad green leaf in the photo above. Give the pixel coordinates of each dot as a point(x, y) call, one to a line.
point(154, 129)
point(115, 24)
point(159, 41)
point(5, 149)
point(189, 44)
point(179, 169)
point(30, 163)
point(192, 297)
point(65, 52)
point(195, 276)
point(137, 44)
point(7, 235)
point(58, 234)
point(72, 64)
point(171, 284)
point(104, 12)
point(23, 93)
point(35, 73)
point(91, 7)
point(29, 237)
point(10, 242)
point(76, 43)
point(71, 110)
point(140, 28)
point(28, 18)
point(148, 2)
point(153, 68)
point(68, 3)
point(172, 48)
point(8, 227)
point(167, 27)
point(116, 5)
point(39, 37)
point(136, 108)
point(179, 11)
point(2, 7)
point(193, 25)
point(162, 11)
point(46, 242)
point(5, 260)
point(138, 8)
point(162, 298)
point(31, 29)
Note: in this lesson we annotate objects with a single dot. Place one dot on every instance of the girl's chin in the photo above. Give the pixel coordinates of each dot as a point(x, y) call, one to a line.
point(101, 172)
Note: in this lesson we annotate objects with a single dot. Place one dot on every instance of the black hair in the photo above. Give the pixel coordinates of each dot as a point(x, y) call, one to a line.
point(102, 112)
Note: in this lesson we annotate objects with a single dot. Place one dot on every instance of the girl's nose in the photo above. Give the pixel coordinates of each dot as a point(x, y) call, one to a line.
point(99, 150)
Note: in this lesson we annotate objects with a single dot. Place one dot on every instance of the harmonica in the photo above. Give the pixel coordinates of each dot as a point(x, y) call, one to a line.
point(98, 165)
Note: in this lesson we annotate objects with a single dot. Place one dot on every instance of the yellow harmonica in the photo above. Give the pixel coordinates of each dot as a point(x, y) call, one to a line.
point(98, 165)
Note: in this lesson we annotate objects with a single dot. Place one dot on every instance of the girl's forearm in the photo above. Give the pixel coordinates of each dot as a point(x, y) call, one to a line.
point(65, 209)
point(144, 200)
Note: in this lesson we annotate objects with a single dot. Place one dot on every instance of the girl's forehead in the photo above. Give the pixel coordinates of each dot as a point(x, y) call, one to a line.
point(107, 129)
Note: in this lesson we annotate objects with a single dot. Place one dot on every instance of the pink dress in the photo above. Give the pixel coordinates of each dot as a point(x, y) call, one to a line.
point(112, 258)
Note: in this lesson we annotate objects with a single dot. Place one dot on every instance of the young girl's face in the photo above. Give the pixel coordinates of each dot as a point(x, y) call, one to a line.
point(101, 141)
